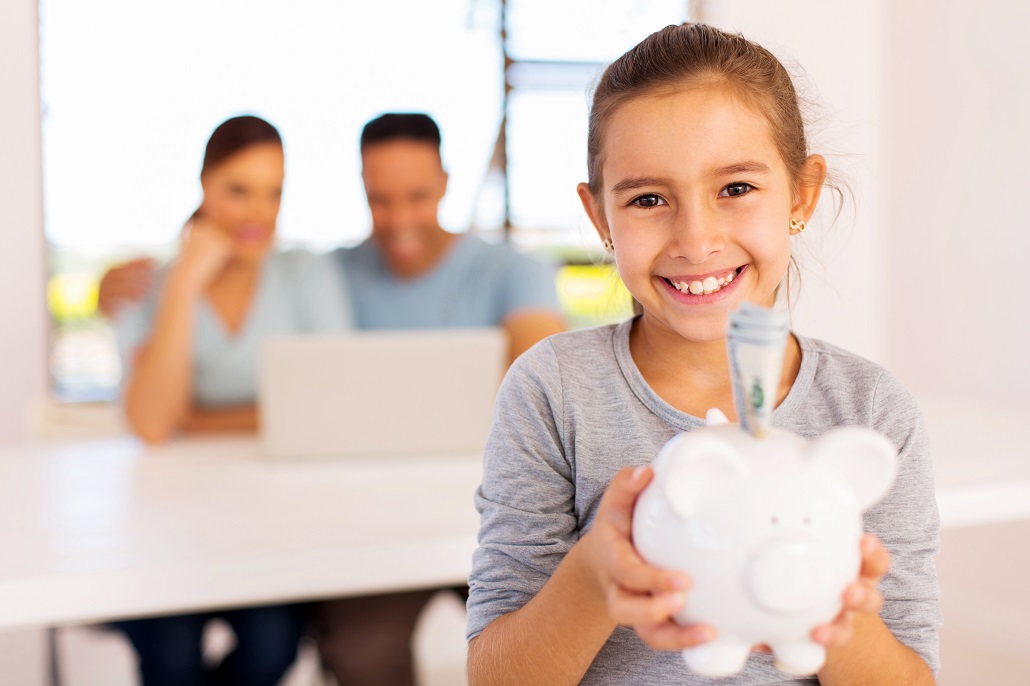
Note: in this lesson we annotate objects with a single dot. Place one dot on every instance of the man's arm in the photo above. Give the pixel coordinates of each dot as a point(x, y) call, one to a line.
point(125, 284)
point(241, 418)
point(525, 328)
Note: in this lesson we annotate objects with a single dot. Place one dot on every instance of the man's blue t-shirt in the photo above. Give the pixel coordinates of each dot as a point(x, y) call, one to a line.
point(475, 284)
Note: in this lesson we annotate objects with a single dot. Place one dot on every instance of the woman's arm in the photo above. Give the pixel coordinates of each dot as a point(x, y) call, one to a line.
point(158, 394)
point(160, 387)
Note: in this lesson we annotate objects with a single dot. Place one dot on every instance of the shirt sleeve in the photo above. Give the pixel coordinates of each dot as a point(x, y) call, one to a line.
point(529, 284)
point(907, 522)
point(526, 499)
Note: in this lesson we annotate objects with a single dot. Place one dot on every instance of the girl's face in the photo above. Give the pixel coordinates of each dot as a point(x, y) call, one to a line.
point(697, 200)
point(241, 198)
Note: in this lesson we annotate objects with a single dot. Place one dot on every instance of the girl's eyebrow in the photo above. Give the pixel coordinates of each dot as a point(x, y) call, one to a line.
point(749, 167)
point(641, 182)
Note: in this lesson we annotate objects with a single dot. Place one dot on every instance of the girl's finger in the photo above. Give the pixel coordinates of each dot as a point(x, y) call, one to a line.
point(862, 596)
point(633, 609)
point(630, 571)
point(876, 561)
point(672, 636)
point(836, 633)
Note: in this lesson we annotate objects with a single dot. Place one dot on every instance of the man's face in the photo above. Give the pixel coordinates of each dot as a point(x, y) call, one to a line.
point(404, 182)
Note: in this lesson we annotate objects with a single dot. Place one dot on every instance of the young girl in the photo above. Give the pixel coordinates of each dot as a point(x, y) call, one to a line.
point(699, 175)
point(192, 351)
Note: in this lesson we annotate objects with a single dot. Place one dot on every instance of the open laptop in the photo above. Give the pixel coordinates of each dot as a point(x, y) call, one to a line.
point(379, 392)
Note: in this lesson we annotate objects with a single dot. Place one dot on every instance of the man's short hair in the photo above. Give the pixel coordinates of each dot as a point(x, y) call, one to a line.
point(412, 126)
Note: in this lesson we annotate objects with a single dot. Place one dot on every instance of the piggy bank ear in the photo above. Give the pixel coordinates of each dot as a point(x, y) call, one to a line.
point(690, 464)
point(866, 460)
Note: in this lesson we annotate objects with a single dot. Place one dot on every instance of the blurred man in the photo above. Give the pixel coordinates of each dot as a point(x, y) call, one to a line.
point(412, 273)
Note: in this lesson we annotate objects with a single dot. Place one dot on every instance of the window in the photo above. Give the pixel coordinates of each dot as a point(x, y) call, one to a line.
point(130, 102)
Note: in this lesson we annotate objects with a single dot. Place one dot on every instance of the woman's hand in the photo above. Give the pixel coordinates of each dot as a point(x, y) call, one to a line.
point(859, 597)
point(205, 252)
point(637, 594)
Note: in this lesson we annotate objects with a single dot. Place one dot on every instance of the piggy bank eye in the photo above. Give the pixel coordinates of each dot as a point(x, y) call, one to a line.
point(774, 520)
point(807, 520)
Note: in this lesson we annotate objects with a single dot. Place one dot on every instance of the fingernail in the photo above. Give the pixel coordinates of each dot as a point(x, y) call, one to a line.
point(703, 633)
point(821, 635)
point(676, 601)
point(856, 595)
point(680, 582)
point(637, 473)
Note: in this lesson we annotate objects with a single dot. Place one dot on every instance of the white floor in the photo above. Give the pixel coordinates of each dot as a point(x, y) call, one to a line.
point(94, 657)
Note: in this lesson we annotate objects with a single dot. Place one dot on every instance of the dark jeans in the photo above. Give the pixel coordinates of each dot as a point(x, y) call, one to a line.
point(169, 648)
point(366, 641)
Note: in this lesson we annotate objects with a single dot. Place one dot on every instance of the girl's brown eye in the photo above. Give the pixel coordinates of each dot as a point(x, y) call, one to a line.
point(648, 201)
point(736, 189)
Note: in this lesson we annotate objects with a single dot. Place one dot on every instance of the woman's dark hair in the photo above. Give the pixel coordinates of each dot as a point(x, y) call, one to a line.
point(235, 134)
point(232, 136)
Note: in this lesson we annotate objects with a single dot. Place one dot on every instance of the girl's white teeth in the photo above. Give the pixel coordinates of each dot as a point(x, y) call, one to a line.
point(709, 285)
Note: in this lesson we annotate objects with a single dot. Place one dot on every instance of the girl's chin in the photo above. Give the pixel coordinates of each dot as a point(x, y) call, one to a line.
point(707, 329)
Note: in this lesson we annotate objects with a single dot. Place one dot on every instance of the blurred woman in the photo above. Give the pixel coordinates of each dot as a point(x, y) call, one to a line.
point(191, 348)
point(191, 351)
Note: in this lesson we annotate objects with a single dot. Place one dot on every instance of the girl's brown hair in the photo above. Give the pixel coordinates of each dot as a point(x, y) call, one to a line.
point(700, 55)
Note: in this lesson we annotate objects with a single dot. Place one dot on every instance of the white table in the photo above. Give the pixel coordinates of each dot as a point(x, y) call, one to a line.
point(97, 530)
point(104, 529)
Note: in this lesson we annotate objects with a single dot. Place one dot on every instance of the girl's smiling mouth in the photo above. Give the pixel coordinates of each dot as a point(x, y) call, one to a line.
point(704, 288)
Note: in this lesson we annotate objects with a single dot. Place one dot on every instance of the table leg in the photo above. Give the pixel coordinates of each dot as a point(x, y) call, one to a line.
point(53, 657)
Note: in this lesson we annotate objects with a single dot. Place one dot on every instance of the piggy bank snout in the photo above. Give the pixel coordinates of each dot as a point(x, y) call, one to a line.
point(790, 576)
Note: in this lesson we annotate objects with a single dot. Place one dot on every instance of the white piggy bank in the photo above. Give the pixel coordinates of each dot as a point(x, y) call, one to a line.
point(768, 530)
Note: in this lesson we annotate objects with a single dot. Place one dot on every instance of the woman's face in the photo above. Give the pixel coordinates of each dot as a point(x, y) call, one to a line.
point(241, 198)
point(696, 200)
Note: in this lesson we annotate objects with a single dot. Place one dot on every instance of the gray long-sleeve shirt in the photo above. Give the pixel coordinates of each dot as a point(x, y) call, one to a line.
point(575, 409)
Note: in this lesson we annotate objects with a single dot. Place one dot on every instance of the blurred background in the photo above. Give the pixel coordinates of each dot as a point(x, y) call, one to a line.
point(921, 106)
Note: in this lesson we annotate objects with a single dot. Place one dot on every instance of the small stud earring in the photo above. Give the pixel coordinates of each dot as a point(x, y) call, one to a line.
point(608, 245)
point(796, 225)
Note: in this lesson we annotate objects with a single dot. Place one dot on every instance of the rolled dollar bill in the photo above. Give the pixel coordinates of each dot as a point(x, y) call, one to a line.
point(756, 342)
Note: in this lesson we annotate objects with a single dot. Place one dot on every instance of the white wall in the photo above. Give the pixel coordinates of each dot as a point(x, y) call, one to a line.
point(23, 324)
point(927, 100)
point(956, 109)
point(830, 45)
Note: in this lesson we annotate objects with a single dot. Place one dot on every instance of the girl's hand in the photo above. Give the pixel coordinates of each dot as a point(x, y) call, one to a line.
point(859, 597)
point(635, 593)
point(205, 252)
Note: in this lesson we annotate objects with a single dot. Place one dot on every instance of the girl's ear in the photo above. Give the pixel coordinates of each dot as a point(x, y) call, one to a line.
point(810, 185)
point(593, 210)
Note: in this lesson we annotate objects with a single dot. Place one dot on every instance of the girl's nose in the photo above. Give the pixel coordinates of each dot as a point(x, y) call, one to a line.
point(696, 238)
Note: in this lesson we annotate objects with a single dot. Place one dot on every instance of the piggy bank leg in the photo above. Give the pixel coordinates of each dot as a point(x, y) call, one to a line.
point(799, 657)
point(719, 657)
